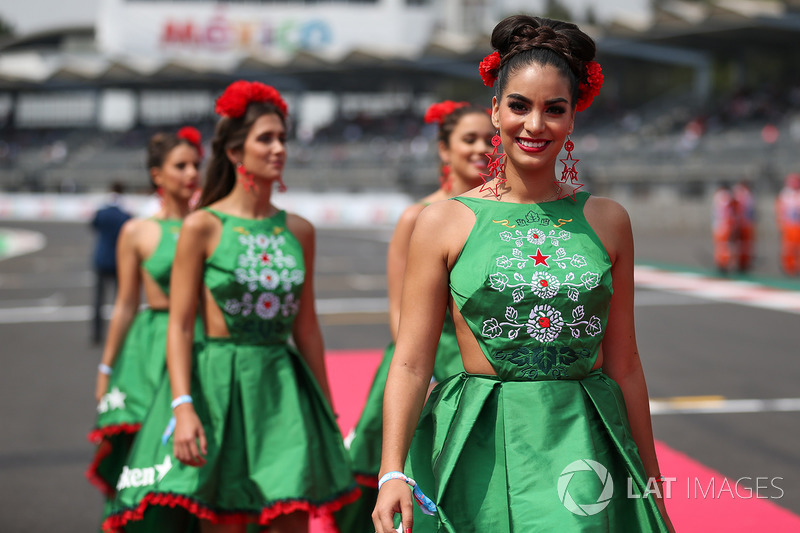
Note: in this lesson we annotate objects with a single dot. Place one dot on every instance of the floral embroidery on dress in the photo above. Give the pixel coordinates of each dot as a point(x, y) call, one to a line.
point(545, 322)
point(264, 267)
point(548, 360)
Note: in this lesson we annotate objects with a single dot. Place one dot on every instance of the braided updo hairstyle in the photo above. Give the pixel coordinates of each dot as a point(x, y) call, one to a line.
point(522, 40)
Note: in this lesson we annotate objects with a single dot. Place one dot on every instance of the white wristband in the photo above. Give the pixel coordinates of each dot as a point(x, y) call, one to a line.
point(104, 369)
point(181, 400)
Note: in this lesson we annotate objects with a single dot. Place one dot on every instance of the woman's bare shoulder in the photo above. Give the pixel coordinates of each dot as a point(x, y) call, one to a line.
point(606, 213)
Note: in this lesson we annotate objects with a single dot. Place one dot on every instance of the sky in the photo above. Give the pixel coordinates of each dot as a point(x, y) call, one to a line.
point(34, 15)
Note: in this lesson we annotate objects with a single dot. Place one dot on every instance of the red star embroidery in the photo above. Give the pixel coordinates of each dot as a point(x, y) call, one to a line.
point(540, 258)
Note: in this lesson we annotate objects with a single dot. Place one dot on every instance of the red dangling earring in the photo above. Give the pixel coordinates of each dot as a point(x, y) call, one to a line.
point(246, 178)
point(569, 175)
point(444, 180)
point(495, 168)
point(281, 185)
point(160, 195)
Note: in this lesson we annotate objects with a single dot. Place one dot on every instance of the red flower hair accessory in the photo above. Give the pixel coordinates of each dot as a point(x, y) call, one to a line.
point(192, 136)
point(234, 100)
point(489, 67)
point(590, 88)
point(437, 112)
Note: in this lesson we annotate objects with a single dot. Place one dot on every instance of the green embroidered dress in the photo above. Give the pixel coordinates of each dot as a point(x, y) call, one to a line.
point(545, 444)
point(139, 369)
point(273, 444)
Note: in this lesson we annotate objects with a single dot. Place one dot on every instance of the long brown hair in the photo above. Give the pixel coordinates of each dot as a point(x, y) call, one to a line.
point(230, 134)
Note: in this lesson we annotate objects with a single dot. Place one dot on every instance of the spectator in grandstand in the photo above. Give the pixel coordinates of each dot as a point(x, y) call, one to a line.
point(538, 276)
point(107, 223)
point(787, 209)
point(464, 137)
point(746, 224)
point(725, 229)
point(251, 437)
point(133, 361)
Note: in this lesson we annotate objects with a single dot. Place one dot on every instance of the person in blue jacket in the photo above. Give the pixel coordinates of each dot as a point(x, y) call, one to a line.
point(107, 222)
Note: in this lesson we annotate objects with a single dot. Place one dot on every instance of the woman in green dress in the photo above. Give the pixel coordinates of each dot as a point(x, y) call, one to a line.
point(464, 133)
point(548, 429)
point(243, 433)
point(133, 363)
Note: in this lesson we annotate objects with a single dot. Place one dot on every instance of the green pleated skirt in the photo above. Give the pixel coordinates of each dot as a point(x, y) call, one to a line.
point(273, 447)
point(530, 456)
point(139, 368)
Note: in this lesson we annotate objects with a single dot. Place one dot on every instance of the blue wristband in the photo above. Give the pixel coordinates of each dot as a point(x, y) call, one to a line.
point(181, 400)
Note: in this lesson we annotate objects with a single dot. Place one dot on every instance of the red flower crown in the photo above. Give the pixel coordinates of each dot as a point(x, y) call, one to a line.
point(234, 100)
point(438, 111)
point(587, 89)
point(193, 137)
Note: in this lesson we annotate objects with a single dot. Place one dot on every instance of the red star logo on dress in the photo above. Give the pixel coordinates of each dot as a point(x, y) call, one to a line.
point(540, 258)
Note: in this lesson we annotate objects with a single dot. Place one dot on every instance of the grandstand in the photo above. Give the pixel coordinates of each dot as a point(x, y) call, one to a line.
point(701, 92)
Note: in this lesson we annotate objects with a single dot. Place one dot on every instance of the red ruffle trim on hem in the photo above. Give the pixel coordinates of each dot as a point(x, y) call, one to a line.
point(103, 451)
point(113, 523)
point(95, 436)
point(365, 480)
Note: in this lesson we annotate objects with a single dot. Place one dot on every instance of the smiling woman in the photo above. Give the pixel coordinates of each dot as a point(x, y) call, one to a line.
point(538, 277)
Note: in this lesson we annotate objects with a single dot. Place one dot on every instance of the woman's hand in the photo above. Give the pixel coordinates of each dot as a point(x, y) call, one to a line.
point(394, 497)
point(189, 439)
point(102, 386)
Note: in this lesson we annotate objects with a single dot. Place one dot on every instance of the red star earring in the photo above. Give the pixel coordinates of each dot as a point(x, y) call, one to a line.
point(495, 169)
point(569, 175)
point(246, 178)
point(281, 185)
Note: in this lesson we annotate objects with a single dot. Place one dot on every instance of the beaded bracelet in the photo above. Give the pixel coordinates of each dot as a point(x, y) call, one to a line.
point(425, 503)
point(181, 400)
point(105, 369)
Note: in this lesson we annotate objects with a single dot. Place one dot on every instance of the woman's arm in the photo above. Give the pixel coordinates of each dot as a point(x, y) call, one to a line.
point(425, 297)
point(305, 330)
point(126, 303)
point(396, 258)
point(185, 285)
point(621, 360)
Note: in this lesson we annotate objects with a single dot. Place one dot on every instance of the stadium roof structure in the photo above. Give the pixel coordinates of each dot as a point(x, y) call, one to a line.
point(679, 32)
